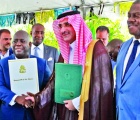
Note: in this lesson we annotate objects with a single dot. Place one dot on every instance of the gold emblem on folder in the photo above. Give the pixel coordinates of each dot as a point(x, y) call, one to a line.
point(22, 69)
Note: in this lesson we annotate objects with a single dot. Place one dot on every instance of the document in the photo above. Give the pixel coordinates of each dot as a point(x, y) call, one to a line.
point(23, 76)
point(68, 81)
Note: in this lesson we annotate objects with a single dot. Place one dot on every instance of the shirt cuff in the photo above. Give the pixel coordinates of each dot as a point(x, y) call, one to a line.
point(12, 102)
point(76, 103)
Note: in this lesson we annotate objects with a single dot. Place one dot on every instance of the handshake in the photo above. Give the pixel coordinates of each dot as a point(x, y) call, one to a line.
point(27, 101)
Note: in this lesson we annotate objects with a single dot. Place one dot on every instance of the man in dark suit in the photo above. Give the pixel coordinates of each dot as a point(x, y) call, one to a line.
point(50, 54)
point(5, 43)
point(12, 107)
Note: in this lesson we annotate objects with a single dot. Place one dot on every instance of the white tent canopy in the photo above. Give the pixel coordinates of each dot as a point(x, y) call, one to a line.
point(17, 6)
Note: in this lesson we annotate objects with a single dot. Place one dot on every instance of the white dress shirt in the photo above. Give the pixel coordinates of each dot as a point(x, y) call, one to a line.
point(5, 55)
point(72, 46)
point(40, 50)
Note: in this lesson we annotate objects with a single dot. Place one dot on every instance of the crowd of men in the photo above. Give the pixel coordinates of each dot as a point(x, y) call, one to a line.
point(98, 99)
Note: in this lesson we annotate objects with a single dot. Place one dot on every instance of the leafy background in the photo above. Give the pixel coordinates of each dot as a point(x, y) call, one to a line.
point(118, 27)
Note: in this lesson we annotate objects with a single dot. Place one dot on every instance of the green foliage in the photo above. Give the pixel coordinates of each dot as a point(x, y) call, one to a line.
point(50, 39)
point(116, 29)
point(123, 7)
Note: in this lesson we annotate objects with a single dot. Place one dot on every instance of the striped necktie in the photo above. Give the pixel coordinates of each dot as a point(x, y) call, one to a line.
point(36, 52)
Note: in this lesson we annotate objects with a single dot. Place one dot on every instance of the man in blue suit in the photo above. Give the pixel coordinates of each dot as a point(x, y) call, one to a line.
point(128, 75)
point(12, 107)
point(5, 43)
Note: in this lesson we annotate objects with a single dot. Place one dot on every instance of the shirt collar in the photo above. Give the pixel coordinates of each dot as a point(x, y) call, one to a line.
point(72, 45)
point(40, 46)
point(5, 55)
point(135, 39)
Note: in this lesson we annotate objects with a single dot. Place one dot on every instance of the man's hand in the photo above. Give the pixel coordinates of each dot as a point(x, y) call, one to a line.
point(28, 104)
point(30, 97)
point(69, 105)
point(20, 100)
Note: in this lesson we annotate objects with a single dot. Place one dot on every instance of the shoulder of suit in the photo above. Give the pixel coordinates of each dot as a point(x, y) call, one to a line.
point(49, 47)
point(5, 60)
point(128, 41)
point(10, 51)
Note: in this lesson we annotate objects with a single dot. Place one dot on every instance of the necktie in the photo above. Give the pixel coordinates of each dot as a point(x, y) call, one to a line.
point(132, 56)
point(36, 51)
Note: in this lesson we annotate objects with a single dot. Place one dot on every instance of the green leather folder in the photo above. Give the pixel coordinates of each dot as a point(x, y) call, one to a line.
point(68, 81)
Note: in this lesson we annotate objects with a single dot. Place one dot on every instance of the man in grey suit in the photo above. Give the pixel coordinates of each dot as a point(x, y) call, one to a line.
point(38, 48)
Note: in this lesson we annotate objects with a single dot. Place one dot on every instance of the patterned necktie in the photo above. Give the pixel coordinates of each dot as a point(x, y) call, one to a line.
point(132, 56)
point(36, 51)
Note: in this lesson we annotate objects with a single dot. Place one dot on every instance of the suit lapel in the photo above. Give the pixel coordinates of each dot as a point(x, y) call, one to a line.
point(132, 68)
point(46, 49)
point(120, 61)
point(10, 51)
point(12, 56)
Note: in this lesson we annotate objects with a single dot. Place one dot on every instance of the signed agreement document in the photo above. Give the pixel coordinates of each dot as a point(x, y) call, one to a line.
point(23, 76)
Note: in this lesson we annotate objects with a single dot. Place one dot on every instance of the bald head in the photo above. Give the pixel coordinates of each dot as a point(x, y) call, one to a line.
point(113, 48)
point(115, 42)
point(22, 34)
point(21, 44)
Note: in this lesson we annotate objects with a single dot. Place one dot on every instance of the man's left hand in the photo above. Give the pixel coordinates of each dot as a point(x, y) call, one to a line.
point(69, 105)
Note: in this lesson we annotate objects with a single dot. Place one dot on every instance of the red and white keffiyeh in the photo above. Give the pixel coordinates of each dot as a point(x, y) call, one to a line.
point(83, 38)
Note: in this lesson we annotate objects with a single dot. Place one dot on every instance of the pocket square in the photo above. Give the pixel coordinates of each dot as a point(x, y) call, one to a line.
point(50, 59)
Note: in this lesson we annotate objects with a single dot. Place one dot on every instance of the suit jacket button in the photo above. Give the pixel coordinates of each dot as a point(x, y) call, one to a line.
point(121, 92)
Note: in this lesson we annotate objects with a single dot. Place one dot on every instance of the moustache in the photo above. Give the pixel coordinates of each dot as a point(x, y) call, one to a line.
point(65, 33)
point(131, 23)
point(8, 44)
